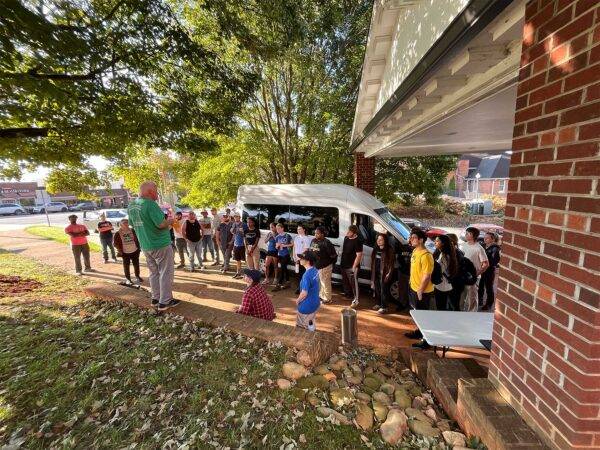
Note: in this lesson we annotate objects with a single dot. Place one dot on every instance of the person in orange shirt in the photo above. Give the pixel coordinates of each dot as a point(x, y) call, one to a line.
point(420, 295)
point(79, 245)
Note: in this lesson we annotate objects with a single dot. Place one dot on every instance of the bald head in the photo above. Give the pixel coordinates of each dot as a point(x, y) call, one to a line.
point(149, 190)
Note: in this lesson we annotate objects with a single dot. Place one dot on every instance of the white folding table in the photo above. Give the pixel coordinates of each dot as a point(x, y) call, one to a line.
point(447, 329)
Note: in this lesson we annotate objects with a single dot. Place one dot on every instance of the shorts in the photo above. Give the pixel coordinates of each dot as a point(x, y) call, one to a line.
point(302, 320)
point(272, 253)
point(239, 253)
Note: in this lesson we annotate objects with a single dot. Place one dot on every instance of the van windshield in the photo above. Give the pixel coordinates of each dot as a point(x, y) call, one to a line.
point(389, 219)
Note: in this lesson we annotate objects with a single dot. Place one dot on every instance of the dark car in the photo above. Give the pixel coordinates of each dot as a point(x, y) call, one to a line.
point(412, 223)
point(84, 206)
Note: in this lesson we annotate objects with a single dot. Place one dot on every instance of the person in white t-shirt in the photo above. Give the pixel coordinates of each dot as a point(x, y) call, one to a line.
point(473, 250)
point(301, 244)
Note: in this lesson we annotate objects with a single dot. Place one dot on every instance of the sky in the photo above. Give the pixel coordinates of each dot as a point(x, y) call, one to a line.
point(40, 175)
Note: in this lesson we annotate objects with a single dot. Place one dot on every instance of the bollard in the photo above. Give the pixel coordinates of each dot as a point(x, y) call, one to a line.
point(349, 326)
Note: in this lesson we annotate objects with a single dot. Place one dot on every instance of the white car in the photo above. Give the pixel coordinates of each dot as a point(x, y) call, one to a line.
point(51, 207)
point(114, 216)
point(11, 208)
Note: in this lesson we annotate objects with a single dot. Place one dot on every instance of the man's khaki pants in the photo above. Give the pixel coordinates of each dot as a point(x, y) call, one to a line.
point(325, 283)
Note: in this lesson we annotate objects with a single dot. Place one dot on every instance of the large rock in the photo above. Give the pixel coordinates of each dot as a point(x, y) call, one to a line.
point(386, 371)
point(371, 382)
point(361, 396)
point(323, 411)
point(294, 371)
point(304, 358)
point(402, 399)
point(394, 427)
point(340, 364)
point(413, 413)
point(382, 398)
point(454, 438)
point(423, 429)
point(322, 369)
point(284, 384)
point(381, 411)
point(364, 416)
point(354, 380)
point(387, 388)
point(313, 381)
point(341, 397)
point(419, 403)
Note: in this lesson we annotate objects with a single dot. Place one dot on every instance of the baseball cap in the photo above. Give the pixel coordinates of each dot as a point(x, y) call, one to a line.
point(253, 274)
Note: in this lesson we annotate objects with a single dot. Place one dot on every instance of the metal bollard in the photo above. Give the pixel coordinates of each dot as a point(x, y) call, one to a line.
point(349, 326)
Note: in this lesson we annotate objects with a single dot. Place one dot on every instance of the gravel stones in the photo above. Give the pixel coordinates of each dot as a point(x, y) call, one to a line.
point(294, 371)
point(423, 429)
point(454, 438)
point(364, 416)
point(323, 411)
point(313, 381)
point(382, 398)
point(322, 369)
point(387, 388)
point(394, 427)
point(381, 411)
point(362, 397)
point(341, 397)
point(284, 384)
point(372, 382)
point(340, 364)
point(402, 399)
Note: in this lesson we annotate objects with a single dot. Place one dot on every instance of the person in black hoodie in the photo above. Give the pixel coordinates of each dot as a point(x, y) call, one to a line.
point(326, 258)
point(486, 284)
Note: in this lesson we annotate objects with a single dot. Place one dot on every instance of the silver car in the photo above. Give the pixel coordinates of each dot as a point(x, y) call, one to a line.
point(51, 207)
point(114, 216)
point(11, 208)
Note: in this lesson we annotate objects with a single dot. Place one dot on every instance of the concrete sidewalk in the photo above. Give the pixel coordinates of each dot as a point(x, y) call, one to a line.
point(218, 291)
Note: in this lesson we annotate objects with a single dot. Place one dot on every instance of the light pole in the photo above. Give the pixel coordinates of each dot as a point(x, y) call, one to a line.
point(477, 177)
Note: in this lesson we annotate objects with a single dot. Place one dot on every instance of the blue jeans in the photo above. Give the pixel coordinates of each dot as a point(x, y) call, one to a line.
point(207, 244)
point(195, 251)
point(107, 242)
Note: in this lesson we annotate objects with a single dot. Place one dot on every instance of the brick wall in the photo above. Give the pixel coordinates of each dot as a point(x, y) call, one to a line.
point(546, 354)
point(364, 173)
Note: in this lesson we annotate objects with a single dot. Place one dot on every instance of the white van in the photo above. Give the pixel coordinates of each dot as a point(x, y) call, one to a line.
point(334, 206)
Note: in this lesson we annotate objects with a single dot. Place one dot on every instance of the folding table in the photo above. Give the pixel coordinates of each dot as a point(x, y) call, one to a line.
point(447, 329)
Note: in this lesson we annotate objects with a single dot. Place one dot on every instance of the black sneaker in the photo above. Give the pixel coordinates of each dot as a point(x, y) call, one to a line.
point(415, 334)
point(422, 344)
point(154, 302)
point(171, 304)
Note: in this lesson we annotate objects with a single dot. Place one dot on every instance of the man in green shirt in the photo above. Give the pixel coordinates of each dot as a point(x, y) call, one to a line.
point(152, 229)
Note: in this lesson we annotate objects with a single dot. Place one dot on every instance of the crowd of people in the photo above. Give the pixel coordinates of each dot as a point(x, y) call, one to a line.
point(455, 277)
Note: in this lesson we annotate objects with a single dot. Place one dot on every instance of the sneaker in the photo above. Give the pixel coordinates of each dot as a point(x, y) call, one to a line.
point(139, 280)
point(422, 344)
point(126, 281)
point(381, 310)
point(190, 269)
point(154, 302)
point(171, 304)
point(115, 259)
point(375, 307)
point(215, 264)
point(325, 302)
point(78, 274)
point(89, 270)
point(354, 304)
point(237, 275)
point(414, 334)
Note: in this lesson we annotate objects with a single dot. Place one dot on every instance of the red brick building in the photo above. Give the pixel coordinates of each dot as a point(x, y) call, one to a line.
point(523, 75)
point(478, 175)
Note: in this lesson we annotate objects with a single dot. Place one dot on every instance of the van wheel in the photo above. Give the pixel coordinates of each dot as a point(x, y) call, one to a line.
point(395, 291)
point(64, 210)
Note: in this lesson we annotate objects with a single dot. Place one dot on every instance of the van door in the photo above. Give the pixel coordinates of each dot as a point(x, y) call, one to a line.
point(367, 233)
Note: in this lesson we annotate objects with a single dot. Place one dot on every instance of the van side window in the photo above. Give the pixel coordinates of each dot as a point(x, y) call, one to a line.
point(365, 228)
point(314, 216)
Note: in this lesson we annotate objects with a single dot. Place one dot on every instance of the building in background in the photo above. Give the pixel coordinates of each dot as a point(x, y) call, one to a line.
point(31, 194)
point(492, 179)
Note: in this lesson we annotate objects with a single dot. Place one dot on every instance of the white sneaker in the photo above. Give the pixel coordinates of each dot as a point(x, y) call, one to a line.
point(354, 304)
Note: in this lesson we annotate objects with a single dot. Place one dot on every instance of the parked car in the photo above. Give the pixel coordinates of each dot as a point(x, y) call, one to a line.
point(412, 223)
point(84, 206)
point(114, 216)
point(51, 207)
point(11, 208)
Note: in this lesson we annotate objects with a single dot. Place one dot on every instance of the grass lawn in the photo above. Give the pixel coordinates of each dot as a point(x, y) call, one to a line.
point(77, 373)
point(56, 234)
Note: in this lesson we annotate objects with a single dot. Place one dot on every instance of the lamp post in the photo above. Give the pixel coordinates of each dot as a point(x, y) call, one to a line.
point(477, 177)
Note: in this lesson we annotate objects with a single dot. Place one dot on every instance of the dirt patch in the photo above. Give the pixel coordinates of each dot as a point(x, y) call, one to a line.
point(12, 285)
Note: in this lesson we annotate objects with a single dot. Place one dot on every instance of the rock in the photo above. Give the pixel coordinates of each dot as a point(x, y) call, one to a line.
point(323, 411)
point(347, 372)
point(340, 364)
point(381, 411)
point(419, 403)
point(364, 416)
point(443, 425)
point(284, 384)
point(354, 380)
point(423, 428)
point(333, 385)
point(361, 396)
point(342, 383)
point(454, 438)
point(356, 369)
point(329, 376)
point(387, 388)
point(415, 390)
point(386, 371)
point(430, 412)
point(313, 381)
point(313, 399)
point(418, 415)
point(368, 390)
point(402, 399)
point(322, 369)
point(298, 393)
point(368, 371)
point(304, 358)
point(341, 397)
point(394, 427)
point(379, 376)
point(294, 371)
point(372, 382)
point(382, 398)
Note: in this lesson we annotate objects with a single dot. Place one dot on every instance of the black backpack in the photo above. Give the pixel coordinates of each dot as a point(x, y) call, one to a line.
point(436, 275)
point(467, 274)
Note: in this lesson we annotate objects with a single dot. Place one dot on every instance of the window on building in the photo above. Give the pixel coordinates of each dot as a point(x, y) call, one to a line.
point(501, 185)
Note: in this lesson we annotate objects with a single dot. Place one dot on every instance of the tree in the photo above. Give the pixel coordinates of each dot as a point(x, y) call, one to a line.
point(77, 180)
point(411, 176)
point(93, 77)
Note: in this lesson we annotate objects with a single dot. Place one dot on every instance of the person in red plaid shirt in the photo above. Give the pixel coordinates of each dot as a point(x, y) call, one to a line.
point(255, 301)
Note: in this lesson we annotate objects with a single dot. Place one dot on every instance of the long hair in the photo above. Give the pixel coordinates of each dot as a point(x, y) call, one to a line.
point(449, 250)
point(387, 254)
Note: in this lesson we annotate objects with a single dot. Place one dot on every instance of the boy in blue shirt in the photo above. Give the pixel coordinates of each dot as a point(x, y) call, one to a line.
point(238, 229)
point(283, 243)
point(308, 301)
